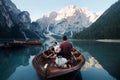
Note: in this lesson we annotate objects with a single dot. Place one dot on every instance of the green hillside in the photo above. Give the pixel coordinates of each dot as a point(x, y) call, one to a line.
point(106, 27)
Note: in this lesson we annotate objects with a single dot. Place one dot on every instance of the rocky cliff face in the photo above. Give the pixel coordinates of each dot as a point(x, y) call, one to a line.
point(68, 21)
point(13, 23)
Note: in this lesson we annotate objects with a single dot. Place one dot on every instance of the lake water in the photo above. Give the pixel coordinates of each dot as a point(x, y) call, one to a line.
point(102, 61)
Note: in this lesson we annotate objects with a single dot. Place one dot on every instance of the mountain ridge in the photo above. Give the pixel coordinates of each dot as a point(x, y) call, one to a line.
point(106, 27)
point(14, 23)
point(67, 21)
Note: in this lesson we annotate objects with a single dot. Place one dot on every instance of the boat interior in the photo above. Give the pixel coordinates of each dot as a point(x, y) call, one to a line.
point(45, 64)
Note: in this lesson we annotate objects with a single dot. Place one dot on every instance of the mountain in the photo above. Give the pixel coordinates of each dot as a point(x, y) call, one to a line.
point(14, 24)
point(106, 27)
point(68, 21)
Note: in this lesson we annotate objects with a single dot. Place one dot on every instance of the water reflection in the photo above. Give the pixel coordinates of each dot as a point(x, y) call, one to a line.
point(93, 70)
point(76, 75)
point(104, 53)
point(16, 64)
point(24, 72)
point(90, 62)
point(11, 59)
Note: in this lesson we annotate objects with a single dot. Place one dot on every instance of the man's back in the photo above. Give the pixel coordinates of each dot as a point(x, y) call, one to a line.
point(66, 49)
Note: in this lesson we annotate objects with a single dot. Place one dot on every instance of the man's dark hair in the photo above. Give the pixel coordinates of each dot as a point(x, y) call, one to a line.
point(64, 37)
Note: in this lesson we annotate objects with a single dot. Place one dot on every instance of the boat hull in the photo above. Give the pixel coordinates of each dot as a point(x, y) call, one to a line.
point(39, 62)
point(69, 76)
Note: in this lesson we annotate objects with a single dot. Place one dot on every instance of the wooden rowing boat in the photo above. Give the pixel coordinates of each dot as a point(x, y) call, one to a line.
point(27, 42)
point(18, 44)
point(46, 68)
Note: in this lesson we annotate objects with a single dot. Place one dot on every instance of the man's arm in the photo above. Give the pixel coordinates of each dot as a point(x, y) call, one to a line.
point(58, 50)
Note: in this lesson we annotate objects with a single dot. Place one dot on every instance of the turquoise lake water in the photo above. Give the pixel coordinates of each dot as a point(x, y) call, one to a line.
point(102, 61)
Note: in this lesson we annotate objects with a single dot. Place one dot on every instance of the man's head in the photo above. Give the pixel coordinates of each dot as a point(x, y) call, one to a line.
point(64, 38)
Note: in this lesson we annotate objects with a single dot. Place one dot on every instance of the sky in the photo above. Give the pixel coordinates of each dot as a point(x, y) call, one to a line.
point(38, 8)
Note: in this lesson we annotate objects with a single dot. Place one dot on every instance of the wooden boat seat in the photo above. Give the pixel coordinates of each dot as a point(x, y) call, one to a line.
point(79, 58)
point(75, 52)
point(48, 53)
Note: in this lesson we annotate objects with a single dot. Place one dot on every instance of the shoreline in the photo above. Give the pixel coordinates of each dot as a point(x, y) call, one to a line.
point(109, 40)
point(99, 40)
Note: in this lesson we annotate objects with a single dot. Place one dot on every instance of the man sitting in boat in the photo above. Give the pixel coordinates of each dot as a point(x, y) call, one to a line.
point(65, 48)
point(57, 59)
point(65, 51)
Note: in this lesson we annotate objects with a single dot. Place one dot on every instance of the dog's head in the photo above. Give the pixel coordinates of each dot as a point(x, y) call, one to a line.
point(51, 50)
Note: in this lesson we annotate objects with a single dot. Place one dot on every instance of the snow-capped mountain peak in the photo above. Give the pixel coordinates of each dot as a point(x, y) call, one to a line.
point(72, 10)
point(68, 11)
point(68, 20)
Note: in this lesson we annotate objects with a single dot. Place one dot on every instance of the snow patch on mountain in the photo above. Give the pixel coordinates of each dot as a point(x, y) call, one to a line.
point(68, 20)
